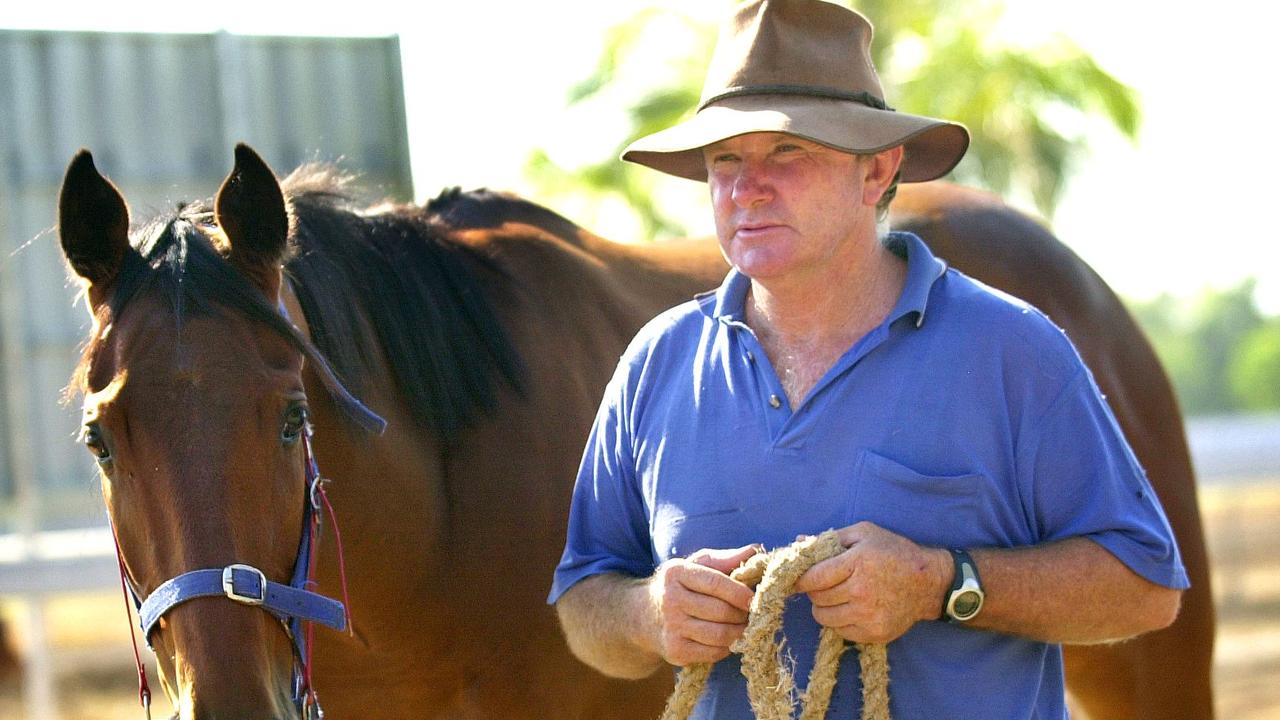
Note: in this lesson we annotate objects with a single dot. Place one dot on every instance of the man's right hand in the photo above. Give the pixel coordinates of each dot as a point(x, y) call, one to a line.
point(699, 610)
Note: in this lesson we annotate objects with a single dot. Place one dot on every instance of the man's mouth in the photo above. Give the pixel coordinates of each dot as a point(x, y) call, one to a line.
point(755, 228)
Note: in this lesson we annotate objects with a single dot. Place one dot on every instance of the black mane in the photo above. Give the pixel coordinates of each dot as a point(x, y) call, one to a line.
point(372, 285)
point(422, 296)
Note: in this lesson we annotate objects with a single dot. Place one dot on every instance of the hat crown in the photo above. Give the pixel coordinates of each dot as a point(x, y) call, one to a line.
point(793, 43)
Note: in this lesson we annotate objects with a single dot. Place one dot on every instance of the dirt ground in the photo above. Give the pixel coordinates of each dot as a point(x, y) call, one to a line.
point(95, 679)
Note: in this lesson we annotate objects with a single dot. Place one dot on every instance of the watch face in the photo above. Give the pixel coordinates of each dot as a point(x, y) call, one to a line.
point(966, 604)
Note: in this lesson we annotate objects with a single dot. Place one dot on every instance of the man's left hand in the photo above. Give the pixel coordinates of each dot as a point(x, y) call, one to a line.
point(879, 587)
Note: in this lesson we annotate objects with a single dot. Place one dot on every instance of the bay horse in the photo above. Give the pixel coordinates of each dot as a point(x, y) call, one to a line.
point(483, 329)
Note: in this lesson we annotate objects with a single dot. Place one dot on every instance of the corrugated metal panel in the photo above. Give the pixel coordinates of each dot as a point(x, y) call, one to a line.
point(161, 114)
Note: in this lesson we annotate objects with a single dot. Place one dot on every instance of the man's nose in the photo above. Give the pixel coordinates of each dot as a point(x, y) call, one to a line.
point(752, 185)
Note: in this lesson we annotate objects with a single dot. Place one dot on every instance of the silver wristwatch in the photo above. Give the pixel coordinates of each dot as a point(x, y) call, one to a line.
point(963, 601)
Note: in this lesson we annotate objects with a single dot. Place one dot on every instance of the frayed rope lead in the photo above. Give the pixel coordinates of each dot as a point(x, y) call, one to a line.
point(770, 686)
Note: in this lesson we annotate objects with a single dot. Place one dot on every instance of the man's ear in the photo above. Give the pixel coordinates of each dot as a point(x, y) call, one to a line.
point(880, 169)
point(93, 222)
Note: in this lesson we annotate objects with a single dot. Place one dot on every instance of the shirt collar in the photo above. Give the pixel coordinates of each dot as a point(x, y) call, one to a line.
point(923, 270)
point(728, 302)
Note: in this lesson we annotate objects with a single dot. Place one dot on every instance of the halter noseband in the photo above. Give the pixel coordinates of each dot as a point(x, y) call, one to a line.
point(248, 585)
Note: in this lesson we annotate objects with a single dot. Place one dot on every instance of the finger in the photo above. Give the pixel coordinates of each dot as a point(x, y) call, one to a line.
point(856, 532)
point(853, 624)
point(717, 585)
point(724, 560)
point(711, 609)
point(838, 594)
point(713, 634)
point(827, 574)
point(836, 615)
point(683, 652)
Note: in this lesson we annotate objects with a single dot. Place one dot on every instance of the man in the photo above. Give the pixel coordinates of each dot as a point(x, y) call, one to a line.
point(989, 503)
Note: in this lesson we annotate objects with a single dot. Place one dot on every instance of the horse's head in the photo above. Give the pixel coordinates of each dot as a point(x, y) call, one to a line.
point(194, 408)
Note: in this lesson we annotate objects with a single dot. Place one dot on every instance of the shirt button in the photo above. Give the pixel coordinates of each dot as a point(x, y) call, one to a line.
point(751, 357)
point(774, 402)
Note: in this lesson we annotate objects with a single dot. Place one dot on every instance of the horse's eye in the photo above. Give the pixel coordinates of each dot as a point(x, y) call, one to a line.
point(295, 423)
point(97, 444)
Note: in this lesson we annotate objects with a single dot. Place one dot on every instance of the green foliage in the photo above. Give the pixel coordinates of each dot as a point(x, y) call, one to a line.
point(648, 109)
point(1255, 370)
point(1025, 107)
point(1221, 353)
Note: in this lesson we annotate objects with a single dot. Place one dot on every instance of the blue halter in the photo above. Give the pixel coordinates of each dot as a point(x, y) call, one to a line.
point(246, 584)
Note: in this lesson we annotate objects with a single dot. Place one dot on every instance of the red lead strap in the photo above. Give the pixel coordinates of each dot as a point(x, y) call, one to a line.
point(317, 483)
point(342, 561)
point(144, 690)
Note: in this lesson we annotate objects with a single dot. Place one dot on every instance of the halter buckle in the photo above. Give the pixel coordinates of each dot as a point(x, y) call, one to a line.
point(229, 585)
point(313, 494)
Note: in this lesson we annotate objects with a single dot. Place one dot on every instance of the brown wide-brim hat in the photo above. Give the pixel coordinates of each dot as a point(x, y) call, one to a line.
point(801, 67)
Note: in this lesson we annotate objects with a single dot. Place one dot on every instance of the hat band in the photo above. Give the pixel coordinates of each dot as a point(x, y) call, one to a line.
point(861, 97)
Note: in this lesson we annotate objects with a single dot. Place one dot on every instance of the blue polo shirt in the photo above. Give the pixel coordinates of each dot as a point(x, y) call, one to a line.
point(966, 419)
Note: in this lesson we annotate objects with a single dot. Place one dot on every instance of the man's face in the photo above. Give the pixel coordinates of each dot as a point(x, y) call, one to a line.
point(786, 207)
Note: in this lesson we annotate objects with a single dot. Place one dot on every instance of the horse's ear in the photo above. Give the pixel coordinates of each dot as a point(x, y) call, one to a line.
point(251, 210)
point(93, 222)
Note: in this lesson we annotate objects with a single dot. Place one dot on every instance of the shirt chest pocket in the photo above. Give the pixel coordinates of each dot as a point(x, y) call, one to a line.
point(937, 510)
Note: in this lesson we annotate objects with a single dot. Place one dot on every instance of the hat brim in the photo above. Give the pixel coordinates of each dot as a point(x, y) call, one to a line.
point(932, 147)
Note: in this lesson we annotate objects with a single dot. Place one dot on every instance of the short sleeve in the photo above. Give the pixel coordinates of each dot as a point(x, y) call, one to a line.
point(608, 526)
point(1082, 479)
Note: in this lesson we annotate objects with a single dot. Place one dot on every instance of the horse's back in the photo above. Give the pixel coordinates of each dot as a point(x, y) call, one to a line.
point(628, 282)
point(1161, 674)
